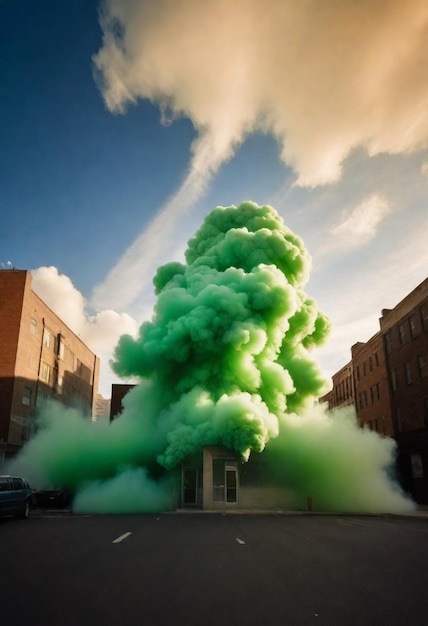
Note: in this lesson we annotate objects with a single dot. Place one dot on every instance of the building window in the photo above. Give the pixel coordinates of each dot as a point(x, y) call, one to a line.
point(393, 380)
point(370, 363)
point(69, 358)
point(42, 399)
point(388, 343)
point(45, 372)
point(423, 366)
point(33, 326)
point(46, 338)
point(59, 382)
point(409, 377)
point(26, 396)
point(376, 359)
point(401, 334)
point(60, 346)
point(426, 412)
point(413, 326)
point(424, 316)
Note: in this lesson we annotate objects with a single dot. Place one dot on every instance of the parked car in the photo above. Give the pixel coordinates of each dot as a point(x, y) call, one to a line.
point(16, 496)
point(52, 498)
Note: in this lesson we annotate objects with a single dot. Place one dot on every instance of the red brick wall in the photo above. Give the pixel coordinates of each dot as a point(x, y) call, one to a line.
point(372, 395)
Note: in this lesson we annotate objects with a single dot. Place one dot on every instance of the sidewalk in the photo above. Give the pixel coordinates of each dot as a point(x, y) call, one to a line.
point(421, 511)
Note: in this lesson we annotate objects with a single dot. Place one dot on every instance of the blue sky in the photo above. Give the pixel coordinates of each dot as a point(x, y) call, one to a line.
point(123, 124)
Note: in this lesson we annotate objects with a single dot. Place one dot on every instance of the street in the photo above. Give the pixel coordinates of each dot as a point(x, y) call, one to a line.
point(203, 569)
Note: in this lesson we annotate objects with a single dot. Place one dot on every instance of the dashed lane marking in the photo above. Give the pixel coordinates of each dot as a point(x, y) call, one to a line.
point(121, 538)
point(240, 541)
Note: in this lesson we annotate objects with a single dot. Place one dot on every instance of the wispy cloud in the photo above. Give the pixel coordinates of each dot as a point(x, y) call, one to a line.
point(359, 225)
point(322, 77)
point(355, 314)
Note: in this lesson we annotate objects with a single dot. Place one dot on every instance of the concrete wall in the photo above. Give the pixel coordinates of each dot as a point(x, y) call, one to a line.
point(261, 496)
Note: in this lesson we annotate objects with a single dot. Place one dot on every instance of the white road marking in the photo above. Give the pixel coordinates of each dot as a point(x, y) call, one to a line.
point(121, 538)
point(240, 541)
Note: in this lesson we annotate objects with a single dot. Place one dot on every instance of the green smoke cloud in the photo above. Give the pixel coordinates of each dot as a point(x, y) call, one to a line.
point(225, 360)
point(228, 347)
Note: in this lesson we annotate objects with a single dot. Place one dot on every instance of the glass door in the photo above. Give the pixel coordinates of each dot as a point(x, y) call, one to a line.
point(231, 484)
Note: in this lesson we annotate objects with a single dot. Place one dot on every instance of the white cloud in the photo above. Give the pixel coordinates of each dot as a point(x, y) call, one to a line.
point(360, 225)
point(424, 169)
point(323, 77)
point(100, 332)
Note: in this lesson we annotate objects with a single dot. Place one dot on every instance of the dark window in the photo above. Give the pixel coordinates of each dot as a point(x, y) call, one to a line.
point(413, 326)
point(393, 380)
point(423, 366)
point(26, 396)
point(388, 343)
point(424, 316)
point(4, 484)
point(377, 391)
point(409, 375)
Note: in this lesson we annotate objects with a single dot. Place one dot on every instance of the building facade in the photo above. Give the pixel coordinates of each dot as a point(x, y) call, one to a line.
point(41, 358)
point(405, 335)
point(342, 391)
point(390, 382)
point(372, 392)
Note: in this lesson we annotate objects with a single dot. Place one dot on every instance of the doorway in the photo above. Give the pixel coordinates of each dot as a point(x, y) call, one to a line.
point(231, 475)
point(190, 486)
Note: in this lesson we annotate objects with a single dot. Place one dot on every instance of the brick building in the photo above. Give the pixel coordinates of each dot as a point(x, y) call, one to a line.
point(41, 358)
point(372, 393)
point(342, 391)
point(390, 381)
point(405, 333)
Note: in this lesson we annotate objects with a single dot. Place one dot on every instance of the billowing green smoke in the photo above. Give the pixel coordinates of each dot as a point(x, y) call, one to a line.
point(227, 350)
point(225, 360)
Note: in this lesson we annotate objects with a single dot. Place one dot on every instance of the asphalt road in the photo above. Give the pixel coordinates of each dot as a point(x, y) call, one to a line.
point(205, 569)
